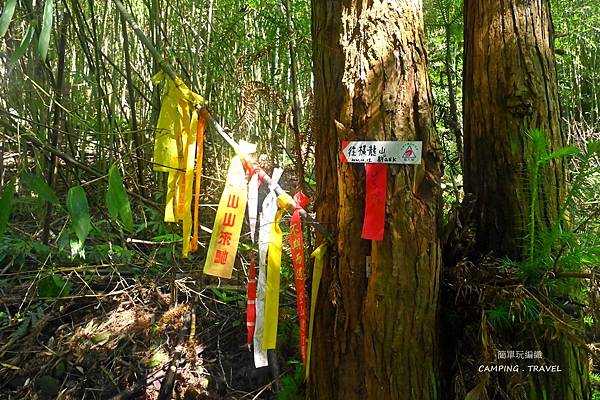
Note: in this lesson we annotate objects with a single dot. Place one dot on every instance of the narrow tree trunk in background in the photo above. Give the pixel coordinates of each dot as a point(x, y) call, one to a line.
point(296, 100)
point(54, 134)
point(454, 119)
point(134, 125)
point(375, 338)
point(510, 86)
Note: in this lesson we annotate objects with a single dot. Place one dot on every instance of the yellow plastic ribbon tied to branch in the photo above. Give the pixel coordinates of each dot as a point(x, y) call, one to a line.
point(319, 256)
point(284, 201)
point(228, 223)
point(175, 150)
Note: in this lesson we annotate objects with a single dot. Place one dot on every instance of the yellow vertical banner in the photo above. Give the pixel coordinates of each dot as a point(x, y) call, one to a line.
point(273, 276)
point(228, 223)
point(319, 256)
point(188, 180)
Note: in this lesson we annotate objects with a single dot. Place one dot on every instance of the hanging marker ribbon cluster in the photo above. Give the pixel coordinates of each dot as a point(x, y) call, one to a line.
point(297, 247)
point(175, 147)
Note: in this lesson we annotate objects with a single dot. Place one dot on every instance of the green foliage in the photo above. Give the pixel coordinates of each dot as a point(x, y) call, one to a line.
point(20, 251)
point(44, 39)
point(77, 205)
point(117, 200)
point(41, 188)
point(499, 316)
point(6, 17)
point(53, 286)
point(291, 383)
point(24, 45)
point(6, 202)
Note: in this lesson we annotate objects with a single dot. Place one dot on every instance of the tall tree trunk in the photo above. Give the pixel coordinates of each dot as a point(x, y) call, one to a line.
point(54, 134)
point(375, 337)
point(510, 87)
point(454, 121)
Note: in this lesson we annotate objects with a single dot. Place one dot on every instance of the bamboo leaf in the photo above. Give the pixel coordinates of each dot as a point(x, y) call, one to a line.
point(24, 45)
point(41, 188)
point(77, 205)
point(117, 200)
point(44, 40)
point(6, 202)
point(6, 17)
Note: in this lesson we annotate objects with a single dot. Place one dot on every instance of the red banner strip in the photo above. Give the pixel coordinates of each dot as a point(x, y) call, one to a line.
point(297, 246)
point(251, 308)
point(374, 222)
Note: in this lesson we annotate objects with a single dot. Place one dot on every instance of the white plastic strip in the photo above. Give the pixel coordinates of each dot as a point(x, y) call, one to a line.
point(267, 217)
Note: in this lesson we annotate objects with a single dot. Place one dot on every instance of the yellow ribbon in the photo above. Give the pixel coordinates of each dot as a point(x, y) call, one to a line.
point(228, 223)
point(171, 149)
point(319, 256)
point(188, 179)
point(273, 276)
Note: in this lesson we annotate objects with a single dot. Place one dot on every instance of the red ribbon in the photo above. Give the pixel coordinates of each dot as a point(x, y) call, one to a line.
point(251, 292)
point(251, 307)
point(297, 246)
point(373, 225)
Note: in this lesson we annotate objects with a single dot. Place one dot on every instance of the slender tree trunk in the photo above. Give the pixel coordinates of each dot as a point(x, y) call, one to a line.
point(134, 125)
point(510, 87)
point(54, 134)
point(454, 119)
point(296, 100)
point(375, 337)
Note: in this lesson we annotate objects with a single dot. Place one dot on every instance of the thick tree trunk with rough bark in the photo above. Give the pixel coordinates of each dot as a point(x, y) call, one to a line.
point(375, 337)
point(510, 87)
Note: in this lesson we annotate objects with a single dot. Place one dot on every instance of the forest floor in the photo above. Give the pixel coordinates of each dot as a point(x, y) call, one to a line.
point(118, 336)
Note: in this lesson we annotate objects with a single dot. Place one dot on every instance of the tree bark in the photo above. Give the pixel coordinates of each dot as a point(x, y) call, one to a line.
point(375, 337)
point(510, 87)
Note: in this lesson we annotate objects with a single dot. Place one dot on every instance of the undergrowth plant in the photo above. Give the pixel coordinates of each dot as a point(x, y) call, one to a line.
point(563, 253)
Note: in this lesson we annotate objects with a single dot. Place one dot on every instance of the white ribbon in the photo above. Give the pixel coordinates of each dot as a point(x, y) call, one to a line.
point(267, 217)
point(253, 204)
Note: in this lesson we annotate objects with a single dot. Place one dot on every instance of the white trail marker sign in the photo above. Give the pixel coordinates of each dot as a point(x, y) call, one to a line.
point(380, 152)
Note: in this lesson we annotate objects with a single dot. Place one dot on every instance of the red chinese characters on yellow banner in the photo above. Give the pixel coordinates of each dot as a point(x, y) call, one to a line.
point(228, 223)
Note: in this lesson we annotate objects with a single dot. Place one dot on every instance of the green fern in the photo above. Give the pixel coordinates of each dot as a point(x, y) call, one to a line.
point(499, 316)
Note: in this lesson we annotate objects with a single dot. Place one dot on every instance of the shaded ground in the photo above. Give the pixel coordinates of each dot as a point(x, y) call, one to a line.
point(118, 335)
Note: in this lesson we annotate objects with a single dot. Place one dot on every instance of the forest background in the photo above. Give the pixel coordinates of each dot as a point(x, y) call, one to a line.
point(92, 304)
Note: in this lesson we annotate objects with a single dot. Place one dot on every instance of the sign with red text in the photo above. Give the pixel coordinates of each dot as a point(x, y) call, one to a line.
point(228, 223)
point(381, 152)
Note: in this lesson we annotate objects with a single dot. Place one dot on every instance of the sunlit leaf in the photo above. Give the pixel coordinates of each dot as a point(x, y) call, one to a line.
point(44, 40)
point(77, 205)
point(6, 201)
point(6, 17)
point(40, 187)
point(117, 200)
